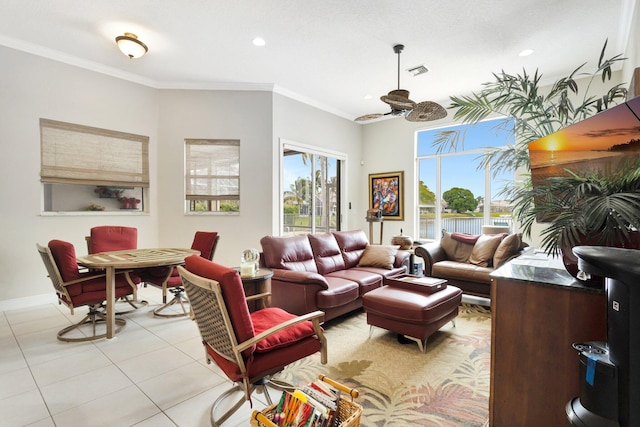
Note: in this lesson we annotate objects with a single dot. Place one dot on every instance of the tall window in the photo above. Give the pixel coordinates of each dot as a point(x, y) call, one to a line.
point(85, 168)
point(212, 175)
point(454, 192)
point(310, 190)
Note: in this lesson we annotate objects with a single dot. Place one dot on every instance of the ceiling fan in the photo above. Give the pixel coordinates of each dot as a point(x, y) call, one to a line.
point(401, 105)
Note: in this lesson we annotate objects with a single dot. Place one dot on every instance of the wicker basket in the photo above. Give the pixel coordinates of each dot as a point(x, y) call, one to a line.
point(348, 413)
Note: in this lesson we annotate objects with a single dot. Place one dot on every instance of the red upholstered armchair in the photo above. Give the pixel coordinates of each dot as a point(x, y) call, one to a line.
point(248, 347)
point(170, 281)
point(76, 289)
point(107, 238)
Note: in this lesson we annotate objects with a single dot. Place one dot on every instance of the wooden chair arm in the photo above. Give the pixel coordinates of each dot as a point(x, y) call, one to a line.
point(263, 295)
point(83, 279)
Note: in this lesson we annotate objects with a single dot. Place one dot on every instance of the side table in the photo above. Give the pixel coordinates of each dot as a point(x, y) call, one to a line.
point(371, 220)
point(257, 284)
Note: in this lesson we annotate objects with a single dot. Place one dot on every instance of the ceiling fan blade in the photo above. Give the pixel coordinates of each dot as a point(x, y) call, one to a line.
point(367, 117)
point(426, 111)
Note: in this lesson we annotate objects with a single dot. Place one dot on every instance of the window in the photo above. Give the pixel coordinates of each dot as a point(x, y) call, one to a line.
point(310, 190)
point(79, 162)
point(453, 191)
point(212, 175)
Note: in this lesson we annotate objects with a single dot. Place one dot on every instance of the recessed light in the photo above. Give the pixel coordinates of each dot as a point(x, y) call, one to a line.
point(526, 52)
point(368, 97)
point(259, 41)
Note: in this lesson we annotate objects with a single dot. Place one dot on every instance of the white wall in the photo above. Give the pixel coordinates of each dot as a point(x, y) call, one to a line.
point(390, 145)
point(633, 50)
point(307, 125)
point(30, 88)
point(220, 115)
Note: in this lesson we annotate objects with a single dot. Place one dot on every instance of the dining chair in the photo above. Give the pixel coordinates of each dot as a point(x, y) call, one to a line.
point(75, 289)
point(169, 279)
point(107, 238)
point(250, 348)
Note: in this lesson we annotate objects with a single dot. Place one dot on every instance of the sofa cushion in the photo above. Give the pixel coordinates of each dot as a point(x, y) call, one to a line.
point(352, 244)
point(508, 247)
point(326, 252)
point(457, 246)
point(483, 250)
point(462, 271)
point(288, 253)
point(367, 280)
point(382, 256)
point(339, 292)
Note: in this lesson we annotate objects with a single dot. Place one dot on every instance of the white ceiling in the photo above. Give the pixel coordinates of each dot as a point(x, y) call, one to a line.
point(329, 53)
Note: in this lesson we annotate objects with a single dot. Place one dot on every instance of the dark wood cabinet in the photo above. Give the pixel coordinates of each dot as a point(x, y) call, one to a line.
point(537, 313)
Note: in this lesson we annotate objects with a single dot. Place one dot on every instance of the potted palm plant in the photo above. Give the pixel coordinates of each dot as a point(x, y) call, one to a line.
point(580, 207)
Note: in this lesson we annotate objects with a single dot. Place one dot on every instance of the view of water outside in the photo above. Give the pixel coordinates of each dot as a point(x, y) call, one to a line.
point(459, 169)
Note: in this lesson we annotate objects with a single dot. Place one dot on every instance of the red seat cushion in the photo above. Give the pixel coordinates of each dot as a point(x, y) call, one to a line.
point(93, 290)
point(269, 317)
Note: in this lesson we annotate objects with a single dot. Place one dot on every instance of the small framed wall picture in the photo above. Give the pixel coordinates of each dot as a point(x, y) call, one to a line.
point(386, 194)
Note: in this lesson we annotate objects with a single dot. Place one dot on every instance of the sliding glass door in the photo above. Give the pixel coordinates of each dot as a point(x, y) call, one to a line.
point(310, 191)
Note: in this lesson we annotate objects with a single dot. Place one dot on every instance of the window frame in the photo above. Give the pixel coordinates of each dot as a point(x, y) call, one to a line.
point(341, 158)
point(438, 157)
point(75, 158)
point(214, 197)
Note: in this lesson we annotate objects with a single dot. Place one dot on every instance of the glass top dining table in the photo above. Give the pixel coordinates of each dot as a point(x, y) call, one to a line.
point(128, 259)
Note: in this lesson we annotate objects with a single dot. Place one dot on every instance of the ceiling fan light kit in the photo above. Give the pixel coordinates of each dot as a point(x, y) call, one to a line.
point(401, 105)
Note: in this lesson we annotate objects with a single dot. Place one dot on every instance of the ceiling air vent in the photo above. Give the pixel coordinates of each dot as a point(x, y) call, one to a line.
point(417, 70)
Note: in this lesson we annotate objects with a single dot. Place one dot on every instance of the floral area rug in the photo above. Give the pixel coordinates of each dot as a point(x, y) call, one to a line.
point(447, 386)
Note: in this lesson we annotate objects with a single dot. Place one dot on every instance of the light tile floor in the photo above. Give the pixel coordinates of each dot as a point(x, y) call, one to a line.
point(153, 373)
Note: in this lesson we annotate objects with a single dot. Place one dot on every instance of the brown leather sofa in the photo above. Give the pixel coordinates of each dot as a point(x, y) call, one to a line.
point(329, 272)
point(466, 261)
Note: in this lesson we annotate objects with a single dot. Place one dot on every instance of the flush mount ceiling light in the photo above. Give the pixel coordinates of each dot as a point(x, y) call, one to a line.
point(131, 46)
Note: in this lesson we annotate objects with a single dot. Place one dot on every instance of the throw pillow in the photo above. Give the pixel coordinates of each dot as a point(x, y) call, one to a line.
point(456, 249)
point(483, 250)
point(381, 256)
point(508, 247)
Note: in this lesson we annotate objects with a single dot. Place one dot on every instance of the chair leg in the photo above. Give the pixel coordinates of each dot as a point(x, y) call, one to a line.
point(178, 298)
point(134, 304)
point(217, 421)
point(260, 387)
point(94, 317)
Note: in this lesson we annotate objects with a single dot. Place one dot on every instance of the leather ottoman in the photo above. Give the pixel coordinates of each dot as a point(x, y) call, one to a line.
point(411, 310)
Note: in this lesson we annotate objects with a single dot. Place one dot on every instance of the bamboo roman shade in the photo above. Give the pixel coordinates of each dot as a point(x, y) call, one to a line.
point(212, 169)
point(76, 154)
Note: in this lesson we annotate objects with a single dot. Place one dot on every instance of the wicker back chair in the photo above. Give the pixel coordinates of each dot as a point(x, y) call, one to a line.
point(75, 289)
point(249, 347)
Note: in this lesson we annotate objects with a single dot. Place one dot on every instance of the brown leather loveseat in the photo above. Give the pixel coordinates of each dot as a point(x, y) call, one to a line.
point(466, 261)
point(329, 272)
